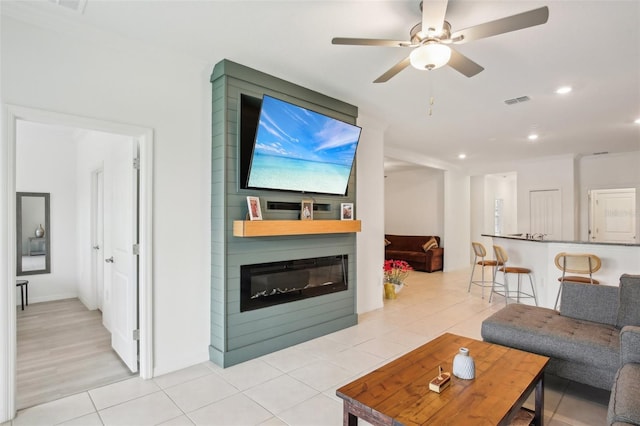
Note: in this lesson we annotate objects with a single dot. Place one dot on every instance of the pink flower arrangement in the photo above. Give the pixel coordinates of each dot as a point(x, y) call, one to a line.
point(395, 271)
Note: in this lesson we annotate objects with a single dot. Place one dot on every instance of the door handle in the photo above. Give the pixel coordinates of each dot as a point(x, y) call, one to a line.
point(109, 260)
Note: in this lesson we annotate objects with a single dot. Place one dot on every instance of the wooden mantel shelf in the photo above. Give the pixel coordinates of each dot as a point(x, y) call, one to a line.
point(268, 228)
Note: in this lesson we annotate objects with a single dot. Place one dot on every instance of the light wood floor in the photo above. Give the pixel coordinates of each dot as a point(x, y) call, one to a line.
point(63, 349)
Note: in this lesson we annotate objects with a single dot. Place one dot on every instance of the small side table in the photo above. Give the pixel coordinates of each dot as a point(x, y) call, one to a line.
point(24, 292)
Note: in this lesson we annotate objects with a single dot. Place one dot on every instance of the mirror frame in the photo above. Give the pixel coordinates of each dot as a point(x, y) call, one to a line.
point(47, 227)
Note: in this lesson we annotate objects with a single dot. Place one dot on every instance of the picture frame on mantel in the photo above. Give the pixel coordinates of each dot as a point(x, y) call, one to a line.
point(346, 211)
point(306, 210)
point(255, 213)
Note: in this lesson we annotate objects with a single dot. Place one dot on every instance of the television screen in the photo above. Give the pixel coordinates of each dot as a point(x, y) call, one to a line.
point(297, 149)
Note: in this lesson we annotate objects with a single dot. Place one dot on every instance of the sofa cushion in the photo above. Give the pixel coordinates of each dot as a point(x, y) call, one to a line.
point(544, 331)
point(629, 311)
point(416, 256)
point(590, 302)
point(623, 404)
point(432, 243)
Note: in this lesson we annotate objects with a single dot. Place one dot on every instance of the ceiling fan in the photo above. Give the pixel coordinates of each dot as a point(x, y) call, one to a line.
point(431, 39)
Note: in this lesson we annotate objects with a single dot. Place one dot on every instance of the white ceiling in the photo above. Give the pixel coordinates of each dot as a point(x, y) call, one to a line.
point(593, 46)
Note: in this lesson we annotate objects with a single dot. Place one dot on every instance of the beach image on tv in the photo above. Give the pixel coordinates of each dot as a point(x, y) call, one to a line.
point(301, 150)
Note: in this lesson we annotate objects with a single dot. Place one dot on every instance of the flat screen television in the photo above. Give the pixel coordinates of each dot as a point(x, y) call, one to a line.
point(297, 149)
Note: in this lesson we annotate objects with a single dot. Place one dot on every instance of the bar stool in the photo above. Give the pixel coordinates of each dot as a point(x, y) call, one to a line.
point(502, 258)
point(576, 263)
point(480, 252)
point(24, 291)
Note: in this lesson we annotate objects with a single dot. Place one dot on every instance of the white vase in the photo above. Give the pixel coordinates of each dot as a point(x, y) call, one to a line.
point(398, 287)
point(463, 365)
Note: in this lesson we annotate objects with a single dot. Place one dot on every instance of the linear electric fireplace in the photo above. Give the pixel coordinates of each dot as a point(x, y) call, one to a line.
point(268, 284)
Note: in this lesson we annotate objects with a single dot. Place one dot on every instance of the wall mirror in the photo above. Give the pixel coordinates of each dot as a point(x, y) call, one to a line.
point(33, 234)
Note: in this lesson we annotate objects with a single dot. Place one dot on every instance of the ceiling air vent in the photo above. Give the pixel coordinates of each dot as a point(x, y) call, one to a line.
point(517, 100)
point(72, 5)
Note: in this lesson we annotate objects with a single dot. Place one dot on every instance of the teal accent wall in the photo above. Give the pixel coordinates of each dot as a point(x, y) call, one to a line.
point(239, 336)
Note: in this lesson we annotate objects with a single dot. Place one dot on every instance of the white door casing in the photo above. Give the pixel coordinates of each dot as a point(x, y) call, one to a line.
point(97, 238)
point(612, 215)
point(545, 213)
point(121, 266)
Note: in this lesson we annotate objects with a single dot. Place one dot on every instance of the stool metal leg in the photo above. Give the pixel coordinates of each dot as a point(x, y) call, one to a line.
point(558, 296)
point(475, 259)
point(533, 290)
point(493, 284)
point(506, 289)
point(22, 296)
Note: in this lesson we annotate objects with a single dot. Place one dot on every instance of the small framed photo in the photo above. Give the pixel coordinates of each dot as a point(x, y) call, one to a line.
point(254, 208)
point(346, 211)
point(306, 210)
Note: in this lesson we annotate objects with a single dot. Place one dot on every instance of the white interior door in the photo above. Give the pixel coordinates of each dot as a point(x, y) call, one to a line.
point(613, 215)
point(546, 213)
point(121, 262)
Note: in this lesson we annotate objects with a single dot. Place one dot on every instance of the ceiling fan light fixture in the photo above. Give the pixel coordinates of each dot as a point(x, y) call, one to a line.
point(430, 56)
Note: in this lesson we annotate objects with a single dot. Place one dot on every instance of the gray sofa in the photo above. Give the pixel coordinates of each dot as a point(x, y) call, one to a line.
point(593, 339)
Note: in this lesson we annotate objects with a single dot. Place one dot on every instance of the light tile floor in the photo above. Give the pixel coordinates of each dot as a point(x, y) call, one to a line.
point(296, 386)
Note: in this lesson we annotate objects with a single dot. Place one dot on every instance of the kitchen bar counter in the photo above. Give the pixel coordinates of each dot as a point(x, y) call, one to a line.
point(539, 255)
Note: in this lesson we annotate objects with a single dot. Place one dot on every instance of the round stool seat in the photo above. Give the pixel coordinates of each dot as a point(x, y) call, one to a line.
point(488, 263)
point(515, 270)
point(582, 280)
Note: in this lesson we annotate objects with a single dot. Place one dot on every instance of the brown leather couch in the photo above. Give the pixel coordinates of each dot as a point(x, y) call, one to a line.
point(409, 249)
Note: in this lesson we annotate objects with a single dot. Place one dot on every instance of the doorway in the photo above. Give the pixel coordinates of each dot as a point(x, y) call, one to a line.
point(612, 215)
point(8, 323)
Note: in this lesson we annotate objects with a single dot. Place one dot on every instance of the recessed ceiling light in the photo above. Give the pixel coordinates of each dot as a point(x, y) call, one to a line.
point(462, 156)
point(532, 137)
point(637, 121)
point(563, 90)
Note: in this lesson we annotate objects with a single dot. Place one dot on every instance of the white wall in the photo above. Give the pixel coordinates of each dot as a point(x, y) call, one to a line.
point(45, 162)
point(479, 220)
point(457, 210)
point(369, 208)
point(414, 202)
point(117, 81)
point(607, 172)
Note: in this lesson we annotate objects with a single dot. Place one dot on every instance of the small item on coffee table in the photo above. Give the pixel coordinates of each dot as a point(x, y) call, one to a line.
point(441, 382)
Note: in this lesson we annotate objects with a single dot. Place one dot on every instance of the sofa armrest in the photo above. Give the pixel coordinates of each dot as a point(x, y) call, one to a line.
point(589, 302)
point(630, 344)
point(435, 252)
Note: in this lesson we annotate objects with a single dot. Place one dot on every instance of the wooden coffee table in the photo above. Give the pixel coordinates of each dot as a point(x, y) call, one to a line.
point(398, 392)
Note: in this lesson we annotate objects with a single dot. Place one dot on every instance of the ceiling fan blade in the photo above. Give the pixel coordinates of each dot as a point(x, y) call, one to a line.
point(463, 65)
point(393, 71)
point(369, 42)
point(433, 12)
point(504, 25)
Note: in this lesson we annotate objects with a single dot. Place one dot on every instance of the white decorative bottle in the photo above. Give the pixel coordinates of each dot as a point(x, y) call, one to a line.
point(463, 365)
